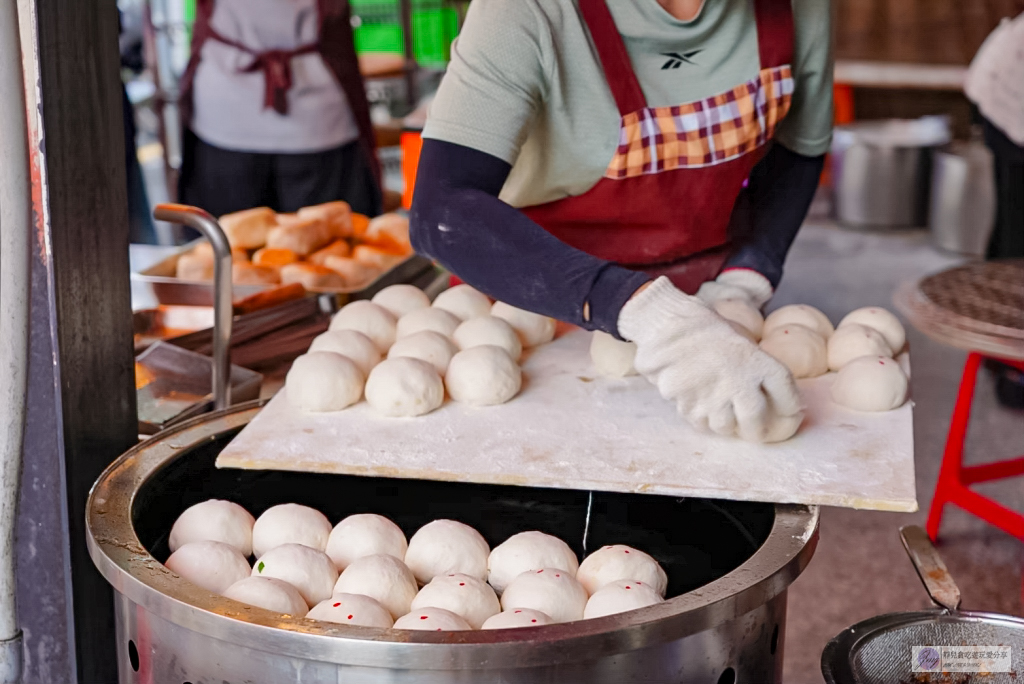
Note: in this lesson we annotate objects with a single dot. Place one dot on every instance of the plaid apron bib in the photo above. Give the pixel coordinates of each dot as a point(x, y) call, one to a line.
point(666, 202)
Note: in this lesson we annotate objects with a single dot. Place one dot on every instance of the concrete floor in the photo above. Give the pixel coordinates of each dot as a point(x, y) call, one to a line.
point(860, 568)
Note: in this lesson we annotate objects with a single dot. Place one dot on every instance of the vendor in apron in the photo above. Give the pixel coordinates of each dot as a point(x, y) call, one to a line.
point(603, 161)
point(275, 109)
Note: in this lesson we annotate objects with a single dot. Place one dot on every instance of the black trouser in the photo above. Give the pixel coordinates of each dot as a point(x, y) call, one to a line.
point(1008, 235)
point(222, 181)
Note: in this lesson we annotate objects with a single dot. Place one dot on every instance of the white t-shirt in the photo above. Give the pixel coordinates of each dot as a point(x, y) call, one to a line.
point(995, 81)
point(228, 107)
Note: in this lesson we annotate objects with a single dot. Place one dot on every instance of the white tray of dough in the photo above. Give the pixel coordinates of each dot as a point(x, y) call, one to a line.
point(570, 428)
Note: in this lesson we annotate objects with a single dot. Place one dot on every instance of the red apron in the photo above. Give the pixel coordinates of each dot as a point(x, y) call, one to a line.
point(334, 44)
point(665, 202)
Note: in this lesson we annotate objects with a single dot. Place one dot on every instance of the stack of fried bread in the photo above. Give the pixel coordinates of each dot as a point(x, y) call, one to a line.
point(323, 247)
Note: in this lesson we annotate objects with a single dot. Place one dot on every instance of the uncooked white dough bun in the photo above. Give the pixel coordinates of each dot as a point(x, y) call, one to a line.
point(742, 312)
point(401, 299)
point(620, 596)
point(798, 348)
point(618, 562)
point(212, 565)
point(801, 314)
point(308, 570)
point(552, 591)
point(492, 330)
point(613, 358)
point(404, 386)
point(464, 302)
point(374, 321)
point(528, 551)
point(269, 593)
point(533, 328)
point(352, 609)
point(432, 620)
point(853, 340)
point(870, 383)
point(290, 524)
point(446, 547)
point(517, 617)
point(365, 534)
point(483, 376)
point(426, 345)
point(469, 597)
point(214, 520)
point(323, 381)
point(351, 343)
point(881, 320)
point(381, 577)
point(438, 320)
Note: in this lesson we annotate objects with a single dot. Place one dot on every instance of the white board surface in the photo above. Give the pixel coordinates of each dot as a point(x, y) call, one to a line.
point(572, 429)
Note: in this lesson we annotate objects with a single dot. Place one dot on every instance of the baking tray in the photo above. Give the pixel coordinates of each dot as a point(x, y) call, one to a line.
point(166, 321)
point(173, 384)
point(169, 289)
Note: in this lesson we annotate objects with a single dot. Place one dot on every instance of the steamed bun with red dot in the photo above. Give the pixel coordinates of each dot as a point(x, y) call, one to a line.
point(619, 562)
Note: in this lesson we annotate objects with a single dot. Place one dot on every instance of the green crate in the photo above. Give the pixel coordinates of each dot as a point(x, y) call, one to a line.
point(379, 38)
point(434, 27)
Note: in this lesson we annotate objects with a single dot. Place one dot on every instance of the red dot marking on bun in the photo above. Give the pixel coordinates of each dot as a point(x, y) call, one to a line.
point(518, 611)
point(423, 617)
point(539, 571)
point(350, 617)
point(557, 575)
point(628, 587)
point(533, 620)
point(336, 605)
point(462, 584)
point(627, 550)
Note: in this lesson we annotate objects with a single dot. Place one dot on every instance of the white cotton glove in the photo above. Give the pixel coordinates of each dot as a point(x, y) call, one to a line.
point(719, 380)
point(737, 283)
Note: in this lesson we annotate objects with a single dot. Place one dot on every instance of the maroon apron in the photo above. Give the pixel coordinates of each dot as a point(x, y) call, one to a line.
point(335, 45)
point(665, 201)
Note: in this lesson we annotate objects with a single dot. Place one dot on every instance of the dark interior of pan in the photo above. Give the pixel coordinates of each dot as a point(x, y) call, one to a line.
point(695, 540)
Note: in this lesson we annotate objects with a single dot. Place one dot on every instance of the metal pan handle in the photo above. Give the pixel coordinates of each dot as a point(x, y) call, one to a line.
point(930, 568)
point(194, 217)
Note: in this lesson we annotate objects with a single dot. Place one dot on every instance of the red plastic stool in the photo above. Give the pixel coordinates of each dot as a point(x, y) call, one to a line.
point(955, 478)
point(978, 307)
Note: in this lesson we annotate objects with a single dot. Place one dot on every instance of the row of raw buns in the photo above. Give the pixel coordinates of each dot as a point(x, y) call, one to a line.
point(861, 350)
point(405, 354)
point(364, 572)
point(326, 246)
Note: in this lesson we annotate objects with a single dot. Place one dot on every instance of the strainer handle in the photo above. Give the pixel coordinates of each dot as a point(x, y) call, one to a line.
point(930, 568)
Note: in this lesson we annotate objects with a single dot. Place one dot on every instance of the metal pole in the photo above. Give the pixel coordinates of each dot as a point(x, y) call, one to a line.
point(411, 68)
point(15, 232)
point(194, 217)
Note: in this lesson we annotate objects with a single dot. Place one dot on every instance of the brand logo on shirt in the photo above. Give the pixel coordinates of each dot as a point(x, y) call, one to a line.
point(675, 60)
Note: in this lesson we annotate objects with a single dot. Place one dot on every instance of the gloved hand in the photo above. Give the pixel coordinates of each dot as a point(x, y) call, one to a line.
point(719, 380)
point(737, 283)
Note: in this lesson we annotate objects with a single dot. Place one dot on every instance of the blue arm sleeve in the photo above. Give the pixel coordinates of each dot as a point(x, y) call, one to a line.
point(458, 220)
point(773, 206)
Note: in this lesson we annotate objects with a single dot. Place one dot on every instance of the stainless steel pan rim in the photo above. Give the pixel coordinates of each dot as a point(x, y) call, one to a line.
point(133, 572)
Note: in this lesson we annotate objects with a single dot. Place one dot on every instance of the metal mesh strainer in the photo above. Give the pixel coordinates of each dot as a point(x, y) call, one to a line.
point(881, 650)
